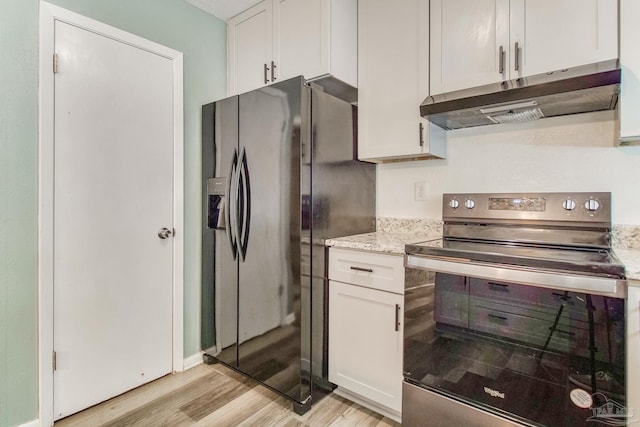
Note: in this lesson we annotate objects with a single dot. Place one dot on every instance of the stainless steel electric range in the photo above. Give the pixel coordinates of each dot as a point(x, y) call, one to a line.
point(519, 317)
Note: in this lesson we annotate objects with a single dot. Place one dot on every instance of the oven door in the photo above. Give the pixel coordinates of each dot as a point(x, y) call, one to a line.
point(492, 345)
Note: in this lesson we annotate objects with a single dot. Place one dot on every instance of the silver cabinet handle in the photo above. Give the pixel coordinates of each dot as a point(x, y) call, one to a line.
point(164, 233)
point(421, 134)
point(266, 70)
point(501, 60)
point(273, 71)
point(517, 57)
point(367, 270)
point(397, 317)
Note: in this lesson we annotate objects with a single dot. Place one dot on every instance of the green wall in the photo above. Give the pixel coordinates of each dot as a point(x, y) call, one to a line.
point(18, 211)
point(173, 23)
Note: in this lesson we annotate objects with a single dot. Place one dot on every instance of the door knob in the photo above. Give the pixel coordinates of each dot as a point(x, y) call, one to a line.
point(164, 233)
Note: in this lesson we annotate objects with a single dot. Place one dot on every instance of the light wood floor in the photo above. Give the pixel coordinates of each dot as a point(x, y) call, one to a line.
point(214, 395)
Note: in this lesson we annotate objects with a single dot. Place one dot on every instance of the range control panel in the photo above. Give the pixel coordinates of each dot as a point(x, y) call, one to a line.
point(552, 207)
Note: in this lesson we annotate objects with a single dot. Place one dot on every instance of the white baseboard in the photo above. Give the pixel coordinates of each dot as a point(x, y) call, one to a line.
point(32, 423)
point(291, 317)
point(362, 401)
point(192, 361)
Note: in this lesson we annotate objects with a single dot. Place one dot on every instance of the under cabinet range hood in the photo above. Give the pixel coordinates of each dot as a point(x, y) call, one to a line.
point(583, 89)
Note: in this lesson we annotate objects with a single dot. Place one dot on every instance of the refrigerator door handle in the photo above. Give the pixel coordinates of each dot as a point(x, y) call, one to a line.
point(232, 206)
point(244, 211)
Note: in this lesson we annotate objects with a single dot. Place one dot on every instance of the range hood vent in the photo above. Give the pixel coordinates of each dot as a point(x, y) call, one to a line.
point(584, 89)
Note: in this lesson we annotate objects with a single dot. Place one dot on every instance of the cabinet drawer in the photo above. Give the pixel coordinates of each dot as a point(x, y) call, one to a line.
point(373, 270)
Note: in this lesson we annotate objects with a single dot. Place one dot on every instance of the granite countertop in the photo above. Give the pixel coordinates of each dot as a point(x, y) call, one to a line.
point(380, 241)
point(631, 260)
point(391, 235)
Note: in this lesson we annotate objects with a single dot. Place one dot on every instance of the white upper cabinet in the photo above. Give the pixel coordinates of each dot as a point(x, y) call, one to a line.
point(559, 34)
point(393, 80)
point(477, 42)
point(630, 65)
point(279, 39)
point(249, 51)
point(300, 39)
point(467, 39)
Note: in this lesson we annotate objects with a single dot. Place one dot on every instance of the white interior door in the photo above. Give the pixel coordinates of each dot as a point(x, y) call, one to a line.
point(113, 192)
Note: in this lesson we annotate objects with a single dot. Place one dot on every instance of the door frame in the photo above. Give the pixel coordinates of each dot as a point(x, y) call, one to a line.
point(49, 14)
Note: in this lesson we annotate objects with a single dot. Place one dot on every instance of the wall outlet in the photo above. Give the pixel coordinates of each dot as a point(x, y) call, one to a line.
point(420, 191)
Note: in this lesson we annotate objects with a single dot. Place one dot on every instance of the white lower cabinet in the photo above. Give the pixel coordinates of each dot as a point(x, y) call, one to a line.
point(366, 332)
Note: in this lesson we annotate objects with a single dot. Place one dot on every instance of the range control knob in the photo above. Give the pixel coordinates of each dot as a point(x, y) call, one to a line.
point(592, 205)
point(569, 204)
point(469, 204)
point(454, 204)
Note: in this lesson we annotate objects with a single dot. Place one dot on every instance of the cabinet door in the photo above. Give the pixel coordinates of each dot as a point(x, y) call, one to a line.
point(365, 342)
point(561, 34)
point(633, 343)
point(466, 41)
point(393, 79)
point(301, 38)
point(630, 63)
point(249, 50)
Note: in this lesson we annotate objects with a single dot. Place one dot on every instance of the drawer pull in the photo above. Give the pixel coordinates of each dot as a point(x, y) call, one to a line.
point(366, 270)
point(500, 287)
point(560, 331)
point(497, 319)
point(397, 317)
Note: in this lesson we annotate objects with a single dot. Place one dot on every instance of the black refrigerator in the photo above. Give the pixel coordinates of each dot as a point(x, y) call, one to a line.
point(280, 175)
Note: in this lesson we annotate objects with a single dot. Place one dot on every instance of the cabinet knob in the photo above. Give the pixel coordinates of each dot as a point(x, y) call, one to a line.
point(266, 70)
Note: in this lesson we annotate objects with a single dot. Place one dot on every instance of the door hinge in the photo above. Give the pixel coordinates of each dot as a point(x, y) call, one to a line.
point(55, 63)
point(173, 232)
point(54, 360)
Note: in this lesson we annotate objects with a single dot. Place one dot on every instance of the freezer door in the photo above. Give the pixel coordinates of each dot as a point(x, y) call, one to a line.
point(269, 215)
point(226, 246)
point(207, 292)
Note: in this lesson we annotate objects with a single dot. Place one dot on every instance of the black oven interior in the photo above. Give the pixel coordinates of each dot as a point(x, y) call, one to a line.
point(515, 350)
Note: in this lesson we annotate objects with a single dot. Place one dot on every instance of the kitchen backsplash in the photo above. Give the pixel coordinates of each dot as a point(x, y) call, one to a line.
point(573, 153)
point(421, 226)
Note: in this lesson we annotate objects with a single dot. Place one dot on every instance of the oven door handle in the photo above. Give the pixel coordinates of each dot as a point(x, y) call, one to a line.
point(512, 274)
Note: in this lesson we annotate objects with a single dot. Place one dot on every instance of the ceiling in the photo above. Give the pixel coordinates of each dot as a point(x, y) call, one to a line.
point(223, 9)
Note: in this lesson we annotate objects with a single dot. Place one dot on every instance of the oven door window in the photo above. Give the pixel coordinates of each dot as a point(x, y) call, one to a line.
point(543, 356)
